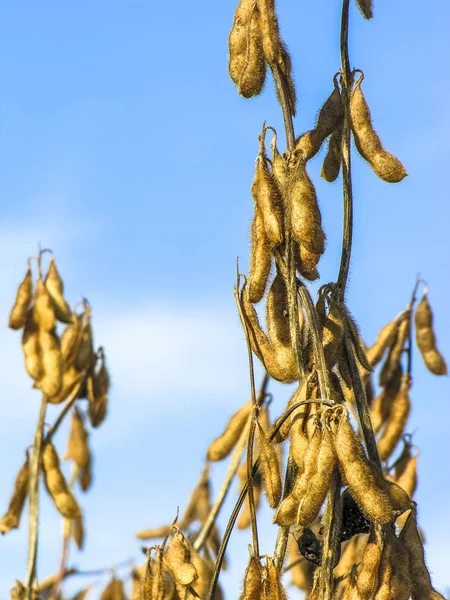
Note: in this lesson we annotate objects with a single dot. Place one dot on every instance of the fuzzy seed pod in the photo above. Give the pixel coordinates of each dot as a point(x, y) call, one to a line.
point(114, 590)
point(319, 482)
point(246, 59)
point(260, 259)
point(367, 581)
point(385, 338)
point(221, 447)
point(379, 411)
point(31, 348)
point(385, 165)
point(19, 311)
point(305, 214)
point(426, 339)
point(52, 363)
point(330, 118)
point(98, 387)
point(205, 570)
point(70, 379)
point(299, 395)
point(373, 500)
point(268, 200)
point(277, 313)
point(395, 353)
point(279, 166)
point(272, 587)
point(398, 417)
point(44, 313)
point(55, 288)
point(85, 354)
point(332, 334)
point(252, 585)
point(279, 361)
point(365, 6)
point(78, 449)
point(333, 158)
point(407, 479)
point(178, 559)
point(57, 486)
point(270, 468)
point(394, 578)
point(156, 532)
point(77, 532)
point(420, 577)
point(350, 555)
point(306, 262)
point(11, 519)
point(70, 340)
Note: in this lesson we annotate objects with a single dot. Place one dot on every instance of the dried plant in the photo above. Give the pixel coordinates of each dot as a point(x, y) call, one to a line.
point(344, 511)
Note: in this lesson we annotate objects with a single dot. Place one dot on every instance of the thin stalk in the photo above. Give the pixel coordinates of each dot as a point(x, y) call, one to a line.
point(33, 494)
point(346, 84)
point(410, 341)
point(229, 475)
point(332, 523)
point(287, 115)
point(283, 532)
point(72, 398)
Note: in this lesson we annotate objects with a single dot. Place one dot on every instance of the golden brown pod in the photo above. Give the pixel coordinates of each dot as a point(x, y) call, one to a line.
point(205, 570)
point(329, 119)
point(98, 387)
point(299, 395)
point(57, 486)
point(373, 500)
point(305, 214)
point(77, 532)
point(252, 585)
point(407, 479)
point(392, 361)
point(31, 348)
point(333, 158)
point(332, 333)
point(70, 339)
point(420, 577)
point(221, 447)
point(379, 411)
point(319, 482)
point(279, 166)
point(253, 74)
point(272, 587)
point(11, 519)
point(267, 199)
point(426, 338)
point(367, 581)
point(384, 164)
point(156, 532)
point(279, 361)
point(177, 558)
point(44, 313)
point(52, 363)
point(385, 337)
point(55, 288)
point(398, 417)
point(277, 315)
point(270, 468)
point(306, 262)
point(85, 354)
point(394, 570)
point(19, 311)
point(77, 444)
point(70, 379)
point(366, 8)
point(246, 60)
point(260, 259)
point(114, 590)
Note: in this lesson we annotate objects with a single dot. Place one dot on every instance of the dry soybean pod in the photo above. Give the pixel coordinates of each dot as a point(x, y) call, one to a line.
point(366, 8)
point(398, 417)
point(57, 486)
point(221, 447)
point(267, 197)
point(260, 259)
point(253, 74)
point(177, 558)
point(19, 311)
point(85, 351)
point(367, 581)
point(333, 158)
point(420, 577)
point(52, 363)
point(44, 313)
point(426, 338)
point(379, 411)
point(270, 468)
point(332, 333)
point(55, 288)
point(252, 585)
point(77, 444)
point(384, 339)
point(395, 353)
point(31, 348)
point(373, 500)
point(306, 262)
point(302, 571)
point(11, 519)
point(272, 587)
point(238, 39)
point(306, 220)
point(277, 316)
point(384, 164)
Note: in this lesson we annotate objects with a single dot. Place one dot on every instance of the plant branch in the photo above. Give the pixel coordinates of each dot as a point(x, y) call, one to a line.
point(410, 341)
point(346, 84)
point(33, 493)
point(283, 532)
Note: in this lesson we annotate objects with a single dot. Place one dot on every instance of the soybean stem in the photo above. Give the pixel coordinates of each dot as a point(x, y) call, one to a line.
point(33, 492)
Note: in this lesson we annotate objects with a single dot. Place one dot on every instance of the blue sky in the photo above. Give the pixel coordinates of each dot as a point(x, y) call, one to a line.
point(126, 149)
